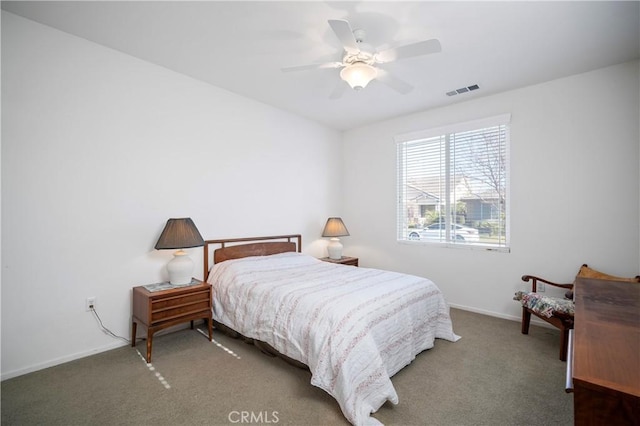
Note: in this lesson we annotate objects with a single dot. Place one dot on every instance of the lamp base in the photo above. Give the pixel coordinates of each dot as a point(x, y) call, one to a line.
point(335, 249)
point(180, 268)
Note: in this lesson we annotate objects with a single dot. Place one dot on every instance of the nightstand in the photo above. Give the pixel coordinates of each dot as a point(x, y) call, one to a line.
point(353, 261)
point(165, 308)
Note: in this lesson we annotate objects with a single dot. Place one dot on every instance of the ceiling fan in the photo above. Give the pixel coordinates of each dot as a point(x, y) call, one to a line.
point(359, 60)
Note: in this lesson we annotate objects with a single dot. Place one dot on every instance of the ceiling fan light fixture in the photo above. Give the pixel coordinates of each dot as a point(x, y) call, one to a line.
point(358, 75)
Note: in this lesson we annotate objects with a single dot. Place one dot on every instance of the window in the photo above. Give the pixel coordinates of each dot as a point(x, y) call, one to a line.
point(453, 185)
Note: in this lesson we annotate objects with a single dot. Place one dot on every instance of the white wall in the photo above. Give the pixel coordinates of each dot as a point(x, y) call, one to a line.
point(99, 149)
point(574, 189)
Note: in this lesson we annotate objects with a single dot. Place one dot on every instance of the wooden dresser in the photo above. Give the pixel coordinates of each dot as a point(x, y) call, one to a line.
point(606, 353)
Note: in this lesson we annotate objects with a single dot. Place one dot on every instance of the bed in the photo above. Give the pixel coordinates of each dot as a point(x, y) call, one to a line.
point(353, 328)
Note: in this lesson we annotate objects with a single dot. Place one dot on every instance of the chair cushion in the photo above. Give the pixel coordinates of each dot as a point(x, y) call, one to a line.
point(545, 305)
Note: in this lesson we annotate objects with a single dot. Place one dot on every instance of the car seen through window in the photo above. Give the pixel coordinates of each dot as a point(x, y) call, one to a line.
point(437, 231)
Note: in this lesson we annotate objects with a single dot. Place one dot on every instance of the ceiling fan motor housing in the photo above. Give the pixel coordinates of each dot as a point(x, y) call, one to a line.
point(352, 58)
point(366, 52)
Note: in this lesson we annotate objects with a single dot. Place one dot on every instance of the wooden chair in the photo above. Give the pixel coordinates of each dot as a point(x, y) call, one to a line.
point(557, 311)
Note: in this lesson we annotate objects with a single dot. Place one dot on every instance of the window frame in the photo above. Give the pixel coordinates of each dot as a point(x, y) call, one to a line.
point(445, 133)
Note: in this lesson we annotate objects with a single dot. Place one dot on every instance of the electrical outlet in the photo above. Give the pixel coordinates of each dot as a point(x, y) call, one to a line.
point(90, 303)
point(540, 287)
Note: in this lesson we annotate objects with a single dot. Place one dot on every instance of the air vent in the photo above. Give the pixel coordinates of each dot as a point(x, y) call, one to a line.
point(463, 90)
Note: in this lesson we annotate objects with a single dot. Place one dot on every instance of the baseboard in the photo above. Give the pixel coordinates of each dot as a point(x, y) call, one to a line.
point(73, 357)
point(61, 360)
point(534, 321)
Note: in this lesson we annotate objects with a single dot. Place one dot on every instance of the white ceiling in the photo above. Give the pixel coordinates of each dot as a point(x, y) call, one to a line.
point(241, 46)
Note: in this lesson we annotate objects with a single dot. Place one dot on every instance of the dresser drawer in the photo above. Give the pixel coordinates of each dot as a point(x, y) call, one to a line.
point(185, 300)
point(178, 311)
point(178, 306)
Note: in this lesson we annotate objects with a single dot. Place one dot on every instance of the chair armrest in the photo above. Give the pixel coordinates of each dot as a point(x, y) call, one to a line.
point(534, 280)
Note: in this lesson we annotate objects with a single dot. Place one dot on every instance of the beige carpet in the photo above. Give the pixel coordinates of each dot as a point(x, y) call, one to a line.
point(492, 376)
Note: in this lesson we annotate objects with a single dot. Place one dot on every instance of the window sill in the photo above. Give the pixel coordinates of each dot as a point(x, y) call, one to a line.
point(479, 247)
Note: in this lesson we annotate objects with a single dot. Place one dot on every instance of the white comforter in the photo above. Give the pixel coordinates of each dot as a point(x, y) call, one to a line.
point(354, 327)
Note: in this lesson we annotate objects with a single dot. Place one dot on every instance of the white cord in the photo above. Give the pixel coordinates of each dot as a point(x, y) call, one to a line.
point(105, 329)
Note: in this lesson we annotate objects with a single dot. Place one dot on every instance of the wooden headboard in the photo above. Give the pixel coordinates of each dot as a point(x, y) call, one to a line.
point(231, 249)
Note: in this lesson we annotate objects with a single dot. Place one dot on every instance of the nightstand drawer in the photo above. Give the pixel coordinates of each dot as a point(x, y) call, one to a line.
point(187, 299)
point(177, 312)
point(169, 308)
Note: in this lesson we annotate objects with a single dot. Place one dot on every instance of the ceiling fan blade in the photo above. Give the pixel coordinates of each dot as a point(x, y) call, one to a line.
point(410, 50)
point(395, 83)
point(338, 91)
point(312, 67)
point(345, 35)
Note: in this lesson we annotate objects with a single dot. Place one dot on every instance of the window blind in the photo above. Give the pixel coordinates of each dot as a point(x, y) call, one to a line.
point(453, 184)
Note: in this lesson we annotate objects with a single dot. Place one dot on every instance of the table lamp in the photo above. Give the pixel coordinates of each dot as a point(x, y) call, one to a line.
point(180, 234)
point(335, 228)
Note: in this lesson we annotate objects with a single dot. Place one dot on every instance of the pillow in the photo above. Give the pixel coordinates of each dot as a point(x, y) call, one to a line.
point(586, 272)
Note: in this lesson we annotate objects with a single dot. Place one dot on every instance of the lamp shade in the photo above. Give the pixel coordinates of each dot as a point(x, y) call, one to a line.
point(178, 234)
point(358, 75)
point(335, 228)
